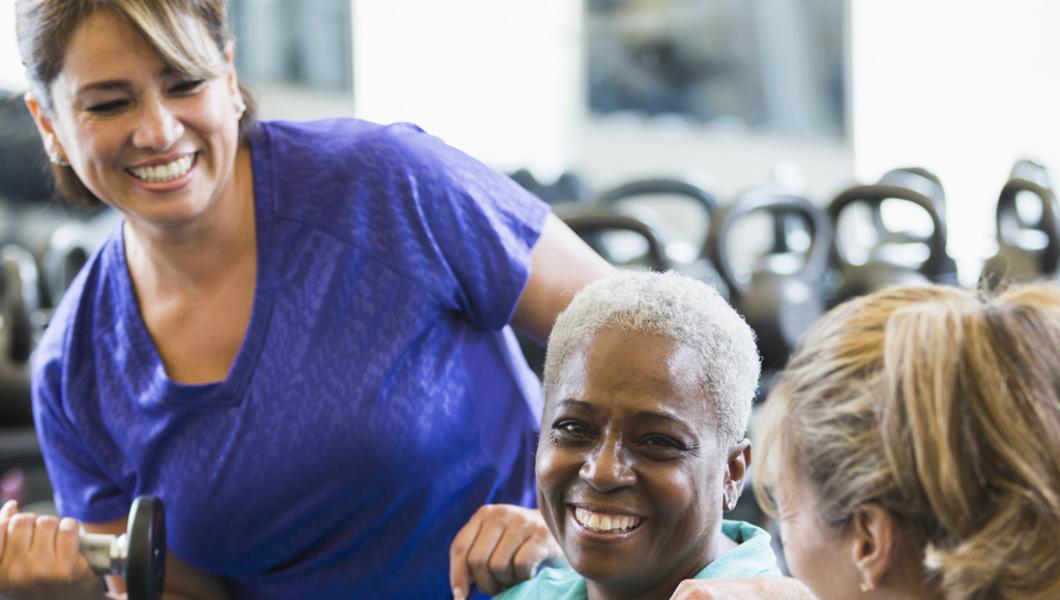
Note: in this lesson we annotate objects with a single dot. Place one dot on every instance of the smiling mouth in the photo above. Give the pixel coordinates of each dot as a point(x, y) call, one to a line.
point(174, 169)
point(605, 523)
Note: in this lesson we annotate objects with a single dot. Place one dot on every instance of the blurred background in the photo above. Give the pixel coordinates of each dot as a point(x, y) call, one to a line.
point(791, 152)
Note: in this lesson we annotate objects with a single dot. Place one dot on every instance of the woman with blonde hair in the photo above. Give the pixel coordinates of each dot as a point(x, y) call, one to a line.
point(912, 447)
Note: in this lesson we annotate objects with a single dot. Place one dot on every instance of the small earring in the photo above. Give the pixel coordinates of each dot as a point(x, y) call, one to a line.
point(241, 107)
point(866, 586)
point(53, 151)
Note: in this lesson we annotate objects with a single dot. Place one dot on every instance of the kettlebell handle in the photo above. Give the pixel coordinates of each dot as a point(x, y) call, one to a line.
point(907, 191)
point(599, 221)
point(776, 203)
point(1027, 176)
point(660, 185)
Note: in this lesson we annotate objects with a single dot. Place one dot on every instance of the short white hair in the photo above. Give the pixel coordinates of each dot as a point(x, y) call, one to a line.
point(681, 309)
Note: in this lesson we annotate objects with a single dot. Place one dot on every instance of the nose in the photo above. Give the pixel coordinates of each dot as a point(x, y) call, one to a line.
point(608, 466)
point(158, 127)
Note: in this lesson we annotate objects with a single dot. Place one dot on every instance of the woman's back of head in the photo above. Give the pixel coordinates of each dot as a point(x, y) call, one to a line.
point(943, 408)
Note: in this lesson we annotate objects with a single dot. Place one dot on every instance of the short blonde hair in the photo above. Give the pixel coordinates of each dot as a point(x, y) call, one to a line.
point(681, 309)
point(44, 28)
point(943, 408)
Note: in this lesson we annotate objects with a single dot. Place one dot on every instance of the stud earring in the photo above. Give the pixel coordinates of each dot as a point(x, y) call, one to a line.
point(53, 152)
point(241, 106)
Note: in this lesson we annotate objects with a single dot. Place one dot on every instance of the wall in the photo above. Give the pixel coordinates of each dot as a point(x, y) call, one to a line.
point(963, 92)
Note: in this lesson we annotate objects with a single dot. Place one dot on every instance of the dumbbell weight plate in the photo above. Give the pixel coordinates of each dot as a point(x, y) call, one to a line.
point(146, 559)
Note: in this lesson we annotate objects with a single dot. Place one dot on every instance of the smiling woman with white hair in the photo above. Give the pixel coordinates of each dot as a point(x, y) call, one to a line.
point(649, 380)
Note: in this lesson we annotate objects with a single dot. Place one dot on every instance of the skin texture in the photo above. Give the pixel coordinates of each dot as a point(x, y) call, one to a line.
point(871, 557)
point(626, 432)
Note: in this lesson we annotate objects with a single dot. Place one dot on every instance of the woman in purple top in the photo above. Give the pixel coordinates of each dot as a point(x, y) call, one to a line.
point(297, 337)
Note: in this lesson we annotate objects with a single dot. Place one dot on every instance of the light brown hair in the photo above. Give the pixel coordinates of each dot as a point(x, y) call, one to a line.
point(943, 408)
point(44, 28)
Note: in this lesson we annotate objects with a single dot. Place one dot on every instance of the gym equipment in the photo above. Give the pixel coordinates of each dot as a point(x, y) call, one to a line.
point(593, 224)
point(20, 292)
point(780, 306)
point(24, 175)
point(1017, 259)
point(695, 261)
point(622, 240)
point(69, 247)
point(568, 187)
point(912, 185)
point(18, 300)
point(139, 554)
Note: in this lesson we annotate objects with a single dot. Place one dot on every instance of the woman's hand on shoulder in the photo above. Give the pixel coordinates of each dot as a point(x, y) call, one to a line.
point(500, 546)
point(40, 557)
point(766, 588)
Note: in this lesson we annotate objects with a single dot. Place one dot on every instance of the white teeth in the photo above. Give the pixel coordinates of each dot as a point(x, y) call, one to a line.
point(166, 172)
point(605, 523)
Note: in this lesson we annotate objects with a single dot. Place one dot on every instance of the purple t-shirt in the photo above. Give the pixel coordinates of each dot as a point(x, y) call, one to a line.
point(378, 397)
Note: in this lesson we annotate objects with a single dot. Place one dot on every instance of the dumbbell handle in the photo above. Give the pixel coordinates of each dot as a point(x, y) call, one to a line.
point(106, 554)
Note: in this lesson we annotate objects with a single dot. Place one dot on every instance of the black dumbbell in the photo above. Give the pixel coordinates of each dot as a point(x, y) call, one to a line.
point(138, 555)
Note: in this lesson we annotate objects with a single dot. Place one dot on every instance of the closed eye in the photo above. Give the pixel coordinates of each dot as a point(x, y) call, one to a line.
point(186, 87)
point(108, 107)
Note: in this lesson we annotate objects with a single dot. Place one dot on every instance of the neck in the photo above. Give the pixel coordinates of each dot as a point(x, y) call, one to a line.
point(662, 587)
point(201, 252)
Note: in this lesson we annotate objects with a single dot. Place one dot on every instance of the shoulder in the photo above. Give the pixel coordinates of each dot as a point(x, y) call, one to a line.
point(752, 557)
point(336, 142)
point(552, 583)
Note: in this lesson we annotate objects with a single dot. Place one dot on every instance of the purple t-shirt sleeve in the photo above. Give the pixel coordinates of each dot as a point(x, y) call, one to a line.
point(461, 229)
point(84, 491)
point(483, 225)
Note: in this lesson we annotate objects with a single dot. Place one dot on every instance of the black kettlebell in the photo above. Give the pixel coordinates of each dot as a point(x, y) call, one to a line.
point(918, 187)
point(591, 224)
point(18, 300)
point(779, 306)
point(1015, 260)
point(700, 265)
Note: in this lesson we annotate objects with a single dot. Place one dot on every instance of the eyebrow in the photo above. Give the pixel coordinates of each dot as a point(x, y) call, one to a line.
point(120, 85)
point(666, 416)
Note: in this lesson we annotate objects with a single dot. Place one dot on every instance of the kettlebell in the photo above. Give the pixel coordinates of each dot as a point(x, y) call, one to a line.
point(780, 306)
point(17, 302)
point(591, 224)
point(911, 185)
point(697, 263)
point(1014, 259)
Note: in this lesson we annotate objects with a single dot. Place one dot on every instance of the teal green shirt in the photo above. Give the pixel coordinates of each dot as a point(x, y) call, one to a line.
point(753, 557)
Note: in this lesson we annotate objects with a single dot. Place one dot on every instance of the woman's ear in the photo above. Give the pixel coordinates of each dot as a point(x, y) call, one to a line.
point(873, 543)
point(736, 470)
point(46, 129)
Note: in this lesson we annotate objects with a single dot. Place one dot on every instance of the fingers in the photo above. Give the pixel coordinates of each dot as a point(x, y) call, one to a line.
point(68, 541)
point(458, 571)
point(500, 546)
point(537, 547)
point(6, 512)
point(20, 533)
point(478, 556)
point(45, 528)
point(9, 510)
